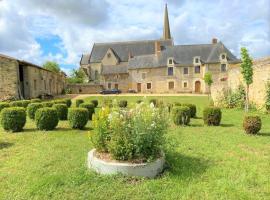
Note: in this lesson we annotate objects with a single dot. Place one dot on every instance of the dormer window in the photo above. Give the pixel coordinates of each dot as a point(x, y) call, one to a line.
point(170, 61)
point(196, 60)
point(223, 56)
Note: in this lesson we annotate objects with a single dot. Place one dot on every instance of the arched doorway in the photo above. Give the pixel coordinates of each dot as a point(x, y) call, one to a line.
point(197, 87)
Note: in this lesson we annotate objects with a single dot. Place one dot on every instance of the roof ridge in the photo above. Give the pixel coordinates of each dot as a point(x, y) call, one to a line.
point(130, 42)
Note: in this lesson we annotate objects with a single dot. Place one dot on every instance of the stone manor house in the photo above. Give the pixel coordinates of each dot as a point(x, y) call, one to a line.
point(157, 66)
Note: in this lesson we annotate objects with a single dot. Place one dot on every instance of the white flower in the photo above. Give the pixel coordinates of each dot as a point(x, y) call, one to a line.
point(152, 105)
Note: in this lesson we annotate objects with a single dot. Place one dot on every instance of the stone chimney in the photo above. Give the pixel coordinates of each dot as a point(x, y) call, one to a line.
point(129, 55)
point(214, 41)
point(157, 48)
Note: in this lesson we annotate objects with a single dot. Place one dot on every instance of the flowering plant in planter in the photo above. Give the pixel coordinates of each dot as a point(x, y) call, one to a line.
point(134, 134)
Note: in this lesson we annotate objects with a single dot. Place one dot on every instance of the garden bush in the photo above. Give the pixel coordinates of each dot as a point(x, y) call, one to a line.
point(95, 102)
point(193, 109)
point(60, 101)
point(78, 117)
point(212, 116)
point(32, 108)
point(181, 115)
point(233, 98)
point(252, 124)
point(139, 101)
point(107, 102)
point(90, 107)
point(78, 102)
point(122, 103)
point(62, 111)
point(177, 104)
point(130, 134)
point(68, 102)
point(267, 97)
point(47, 104)
point(20, 103)
point(13, 119)
point(3, 105)
point(46, 119)
point(35, 100)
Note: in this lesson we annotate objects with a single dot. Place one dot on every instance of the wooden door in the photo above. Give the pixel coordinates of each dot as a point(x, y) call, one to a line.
point(197, 87)
point(139, 87)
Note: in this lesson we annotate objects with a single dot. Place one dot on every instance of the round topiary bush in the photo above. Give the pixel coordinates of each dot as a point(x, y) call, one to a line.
point(47, 104)
point(193, 109)
point(181, 115)
point(122, 103)
point(3, 105)
point(90, 107)
point(62, 111)
point(252, 124)
point(35, 101)
point(78, 117)
point(13, 119)
point(32, 108)
point(212, 116)
point(78, 102)
point(46, 119)
point(95, 102)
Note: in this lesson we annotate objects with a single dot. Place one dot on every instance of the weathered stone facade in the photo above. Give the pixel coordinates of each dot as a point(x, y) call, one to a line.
point(261, 75)
point(23, 80)
point(86, 88)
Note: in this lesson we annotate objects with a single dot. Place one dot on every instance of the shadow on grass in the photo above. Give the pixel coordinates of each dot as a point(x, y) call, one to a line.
point(264, 134)
point(4, 145)
point(196, 125)
point(186, 167)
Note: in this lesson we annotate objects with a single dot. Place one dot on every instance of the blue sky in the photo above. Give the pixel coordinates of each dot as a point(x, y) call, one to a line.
point(61, 30)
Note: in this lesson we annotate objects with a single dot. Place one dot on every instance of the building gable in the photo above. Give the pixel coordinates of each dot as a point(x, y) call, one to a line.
point(110, 58)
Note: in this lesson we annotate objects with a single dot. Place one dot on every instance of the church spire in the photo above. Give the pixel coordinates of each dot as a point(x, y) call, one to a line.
point(166, 28)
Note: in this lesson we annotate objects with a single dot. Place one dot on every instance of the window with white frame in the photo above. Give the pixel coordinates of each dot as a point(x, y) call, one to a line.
point(185, 71)
point(170, 61)
point(170, 71)
point(223, 56)
point(171, 85)
point(197, 69)
point(185, 84)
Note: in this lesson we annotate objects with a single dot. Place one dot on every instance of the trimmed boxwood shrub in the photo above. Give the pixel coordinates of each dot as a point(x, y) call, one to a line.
point(60, 101)
point(68, 102)
point(3, 105)
point(252, 124)
point(78, 102)
point(46, 119)
point(177, 104)
point(32, 108)
point(212, 116)
point(13, 119)
point(139, 101)
point(62, 111)
point(78, 117)
point(47, 104)
point(20, 103)
point(90, 107)
point(193, 109)
point(35, 100)
point(181, 115)
point(95, 102)
point(122, 103)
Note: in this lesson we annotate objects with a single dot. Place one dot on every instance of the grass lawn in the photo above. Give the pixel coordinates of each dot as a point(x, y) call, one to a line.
point(204, 163)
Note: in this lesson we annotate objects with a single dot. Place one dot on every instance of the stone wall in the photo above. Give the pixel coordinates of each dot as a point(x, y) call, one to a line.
point(261, 75)
point(85, 88)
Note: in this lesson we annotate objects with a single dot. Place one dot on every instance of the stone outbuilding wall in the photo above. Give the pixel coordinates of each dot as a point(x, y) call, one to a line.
point(261, 75)
point(84, 88)
point(23, 80)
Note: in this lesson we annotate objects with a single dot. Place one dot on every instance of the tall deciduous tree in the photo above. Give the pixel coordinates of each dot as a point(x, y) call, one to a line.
point(77, 76)
point(209, 81)
point(52, 66)
point(247, 72)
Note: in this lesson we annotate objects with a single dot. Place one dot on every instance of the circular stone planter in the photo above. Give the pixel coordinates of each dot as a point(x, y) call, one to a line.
point(149, 169)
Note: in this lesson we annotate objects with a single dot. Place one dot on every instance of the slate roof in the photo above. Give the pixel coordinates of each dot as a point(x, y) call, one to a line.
point(114, 69)
point(122, 49)
point(183, 55)
point(85, 59)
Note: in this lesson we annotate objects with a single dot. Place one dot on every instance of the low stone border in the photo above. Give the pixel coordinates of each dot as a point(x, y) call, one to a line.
point(150, 170)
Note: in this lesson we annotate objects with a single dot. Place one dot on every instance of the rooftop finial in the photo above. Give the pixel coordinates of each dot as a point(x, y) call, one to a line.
point(166, 28)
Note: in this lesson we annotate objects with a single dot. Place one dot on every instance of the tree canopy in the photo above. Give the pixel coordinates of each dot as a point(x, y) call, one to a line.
point(77, 76)
point(52, 66)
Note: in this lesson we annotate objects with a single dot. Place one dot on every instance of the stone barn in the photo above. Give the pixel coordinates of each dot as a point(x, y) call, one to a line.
point(23, 80)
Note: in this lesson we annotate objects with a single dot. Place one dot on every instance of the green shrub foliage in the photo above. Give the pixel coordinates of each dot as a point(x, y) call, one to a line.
point(62, 111)
point(122, 103)
point(47, 104)
point(177, 104)
point(3, 105)
point(212, 116)
point(153, 101)
point(181, 115)
point(139, 101)
point(107, 103)
point(252, 124)
point(35, 100)
point(60, 101)
point(20, 103)
point(32, 108)
point(46, 119)
point(233, 98)
point(78, 102)
point(267, 97)
point(95, 102)
point(68, 102)
point(78, 117)
point(193, 109)
point(13, 119)
point(90, 107)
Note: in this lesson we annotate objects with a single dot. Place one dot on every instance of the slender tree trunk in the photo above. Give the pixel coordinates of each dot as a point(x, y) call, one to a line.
point(247, 99)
